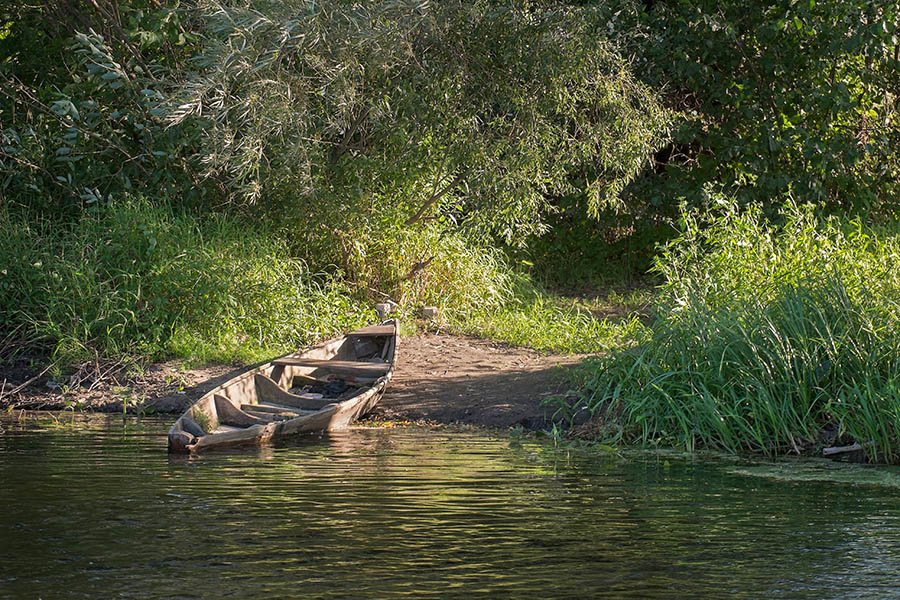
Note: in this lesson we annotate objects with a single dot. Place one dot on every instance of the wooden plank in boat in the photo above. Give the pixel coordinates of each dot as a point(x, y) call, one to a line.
point(344, 367)
point(229, 414)
point(271, 408)
point(270, 392)
point(271, 417)
point(374, 330)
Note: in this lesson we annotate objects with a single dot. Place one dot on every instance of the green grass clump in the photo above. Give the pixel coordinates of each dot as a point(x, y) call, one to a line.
point(765, 338)
point(537, 319)
point(136, 278)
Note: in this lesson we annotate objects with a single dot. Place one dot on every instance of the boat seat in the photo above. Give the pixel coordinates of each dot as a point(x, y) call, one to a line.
point(341, 367)
point(373, 331)
point(272, 408)
point(282, 407)
point(271, 393)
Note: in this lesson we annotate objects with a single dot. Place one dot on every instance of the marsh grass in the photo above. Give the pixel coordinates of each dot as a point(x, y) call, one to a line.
point(766, 340)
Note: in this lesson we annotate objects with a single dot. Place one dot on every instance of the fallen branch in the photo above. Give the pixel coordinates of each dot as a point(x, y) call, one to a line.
point(841, 449)
point(30, 381)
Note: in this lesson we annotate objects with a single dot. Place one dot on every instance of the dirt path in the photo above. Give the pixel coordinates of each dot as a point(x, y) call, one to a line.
point(438, 379)
point(453, 379)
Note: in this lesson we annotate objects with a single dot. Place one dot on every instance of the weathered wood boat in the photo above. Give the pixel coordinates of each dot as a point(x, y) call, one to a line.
point(324, 388)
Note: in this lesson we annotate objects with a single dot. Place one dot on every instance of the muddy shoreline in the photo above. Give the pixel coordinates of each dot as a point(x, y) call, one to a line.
point(439, 379)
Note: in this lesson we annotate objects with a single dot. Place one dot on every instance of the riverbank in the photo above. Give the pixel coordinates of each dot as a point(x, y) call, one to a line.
point(439, 379)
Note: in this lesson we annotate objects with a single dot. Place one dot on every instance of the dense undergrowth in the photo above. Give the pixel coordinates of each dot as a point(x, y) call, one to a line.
point(149, 280)
point(226, 180)
point(767, 339)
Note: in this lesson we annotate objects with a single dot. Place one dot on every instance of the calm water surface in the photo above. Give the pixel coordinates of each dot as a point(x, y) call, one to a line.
point(103, 512)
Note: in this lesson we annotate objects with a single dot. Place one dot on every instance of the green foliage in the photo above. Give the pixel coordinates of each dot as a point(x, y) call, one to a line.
point(143, 278)
point(765, 337)
point(474, 113)
point(782, 96)
point(585, 254)
point(772, 97)
point(87, 128)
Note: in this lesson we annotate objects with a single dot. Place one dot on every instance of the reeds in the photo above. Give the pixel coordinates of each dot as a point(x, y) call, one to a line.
point(766, 340)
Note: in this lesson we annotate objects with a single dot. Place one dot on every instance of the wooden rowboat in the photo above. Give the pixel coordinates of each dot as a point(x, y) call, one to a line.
point(324, 388)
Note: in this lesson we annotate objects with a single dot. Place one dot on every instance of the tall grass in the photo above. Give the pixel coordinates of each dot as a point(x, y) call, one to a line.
point(473, 284)
point(145, 279)
point(767, 339)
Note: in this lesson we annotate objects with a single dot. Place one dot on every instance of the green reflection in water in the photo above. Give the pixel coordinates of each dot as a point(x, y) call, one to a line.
point(102, 511)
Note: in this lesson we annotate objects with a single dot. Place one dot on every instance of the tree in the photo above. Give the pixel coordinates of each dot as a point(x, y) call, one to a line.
point(476, 112)
point(792, 97)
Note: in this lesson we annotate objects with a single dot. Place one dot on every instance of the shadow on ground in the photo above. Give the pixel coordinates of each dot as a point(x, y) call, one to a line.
point(452, 379)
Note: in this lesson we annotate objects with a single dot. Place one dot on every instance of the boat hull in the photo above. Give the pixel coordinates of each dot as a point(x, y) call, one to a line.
point(205, 425)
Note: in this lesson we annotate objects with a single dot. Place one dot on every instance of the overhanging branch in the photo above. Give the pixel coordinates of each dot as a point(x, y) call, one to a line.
point(420, 214)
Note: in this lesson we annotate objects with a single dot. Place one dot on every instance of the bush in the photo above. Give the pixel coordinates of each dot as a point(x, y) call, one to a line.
point(767, 339)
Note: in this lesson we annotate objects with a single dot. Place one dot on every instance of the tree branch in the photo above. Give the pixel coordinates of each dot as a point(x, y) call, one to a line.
point(420, 214)
point(344, 145)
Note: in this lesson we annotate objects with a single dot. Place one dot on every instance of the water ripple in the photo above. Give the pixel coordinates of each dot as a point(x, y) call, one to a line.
point(102, 511)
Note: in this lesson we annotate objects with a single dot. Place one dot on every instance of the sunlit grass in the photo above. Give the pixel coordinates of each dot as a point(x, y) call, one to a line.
point(542, 321)
point(764, 339)
point(143, 279)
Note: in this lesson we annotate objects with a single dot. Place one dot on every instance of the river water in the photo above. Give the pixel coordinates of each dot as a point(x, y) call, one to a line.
point(100, 511)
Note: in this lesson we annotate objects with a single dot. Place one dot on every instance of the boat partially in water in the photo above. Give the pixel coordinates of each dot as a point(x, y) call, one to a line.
point(324, 388)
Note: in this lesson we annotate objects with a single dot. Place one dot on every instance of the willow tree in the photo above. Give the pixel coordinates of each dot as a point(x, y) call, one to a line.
point(474, 112)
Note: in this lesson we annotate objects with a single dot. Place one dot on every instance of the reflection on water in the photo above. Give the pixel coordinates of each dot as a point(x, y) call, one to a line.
point(105, 512)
